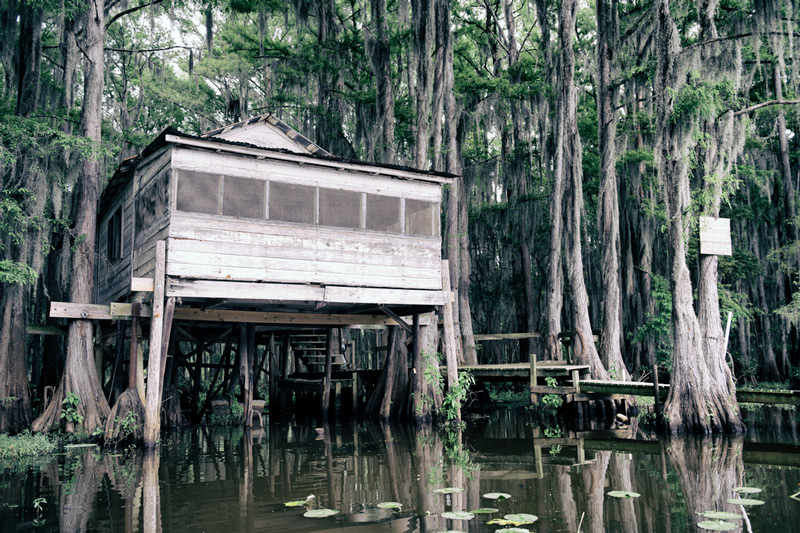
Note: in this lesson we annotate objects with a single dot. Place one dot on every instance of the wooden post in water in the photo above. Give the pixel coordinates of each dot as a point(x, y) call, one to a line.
point(326, 383)
point(152, 415)
point(657, 407)
point(450, 356)
point(533, 379)
point(416, 403)
point(135, 308)
point(245, 370)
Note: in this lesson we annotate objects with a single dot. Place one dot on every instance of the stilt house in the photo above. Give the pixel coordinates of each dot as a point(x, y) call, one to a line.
point(256, 225)
point(256, 216)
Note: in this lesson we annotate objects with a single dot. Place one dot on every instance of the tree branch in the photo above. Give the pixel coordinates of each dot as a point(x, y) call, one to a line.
point(765, 104)
point(130, 10)
point(145, 50)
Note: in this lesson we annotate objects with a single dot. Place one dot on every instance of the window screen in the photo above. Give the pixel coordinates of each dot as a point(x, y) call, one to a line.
point(198, 192)
point(114, 236)
point(383, 213)
point(243, 197)
point(339, 208)
point(291, 203)
point(422, 218)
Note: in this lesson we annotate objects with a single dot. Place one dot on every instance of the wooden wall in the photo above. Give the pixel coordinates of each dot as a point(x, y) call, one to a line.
point(138, 243)
point(217, 247)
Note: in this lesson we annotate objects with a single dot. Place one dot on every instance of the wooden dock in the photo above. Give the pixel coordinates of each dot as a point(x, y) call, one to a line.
point(574, 384)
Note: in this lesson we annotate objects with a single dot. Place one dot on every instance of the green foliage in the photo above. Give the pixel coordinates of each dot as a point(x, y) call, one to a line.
point(657, 326)
point(26, 444)
point(14, 272)
point(454, 398)
point(702, 100)
point(69, 409)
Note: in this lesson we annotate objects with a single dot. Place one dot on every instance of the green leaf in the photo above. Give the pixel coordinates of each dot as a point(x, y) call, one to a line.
point(485, 510)
point(717, 525)
point(390, 505)
point(519, 519)
point(458, 515)
point(448, 490)
point(623, 494)
point(295, 503)
point(720, 515)
point(747, 490)
point(320, 513)
point(745, 501)
point(497, 496)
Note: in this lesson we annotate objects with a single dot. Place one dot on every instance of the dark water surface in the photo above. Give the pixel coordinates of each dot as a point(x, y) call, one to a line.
point(228, 480)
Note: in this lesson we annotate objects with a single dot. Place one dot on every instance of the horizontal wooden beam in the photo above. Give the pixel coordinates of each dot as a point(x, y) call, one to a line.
point(289, 319)
point(122, 311)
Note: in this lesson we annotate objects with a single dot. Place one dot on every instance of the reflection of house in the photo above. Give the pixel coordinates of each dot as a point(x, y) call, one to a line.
point(254, 214)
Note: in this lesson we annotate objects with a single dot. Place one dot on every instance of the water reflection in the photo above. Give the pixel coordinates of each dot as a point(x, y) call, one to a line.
point(231, 480)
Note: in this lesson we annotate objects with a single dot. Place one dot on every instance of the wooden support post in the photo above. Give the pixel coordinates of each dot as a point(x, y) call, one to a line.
point(657, 407)
point(449, 340)
point(354, 381)
point(326, 383)
point(416, 403)
point(134, 348)
point(246, 370)
point(537, 460)
point(152, 416)
point(576, 380)
point(274, 374)
point(533, 379)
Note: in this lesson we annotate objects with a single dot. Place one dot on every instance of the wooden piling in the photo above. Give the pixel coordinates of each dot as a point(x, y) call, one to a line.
point(152, 418)
point(326, 384)
point(449, 341)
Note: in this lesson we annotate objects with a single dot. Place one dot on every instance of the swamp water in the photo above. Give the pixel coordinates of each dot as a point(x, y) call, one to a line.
point(228, 480)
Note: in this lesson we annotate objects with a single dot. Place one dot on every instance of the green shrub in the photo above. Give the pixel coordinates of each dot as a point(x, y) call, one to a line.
point(25, 444)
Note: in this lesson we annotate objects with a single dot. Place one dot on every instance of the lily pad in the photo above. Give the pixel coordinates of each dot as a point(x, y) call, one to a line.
point(745, 501)
point(458, 515)
point(717, 525)
point(720, 515)
point(747, 490)
point(485, 510)
point(448, 490)
point(296, 503)
point(519, 519)
point(497, 496)
point(390, 505)
point(622, 494)
point(320, 513)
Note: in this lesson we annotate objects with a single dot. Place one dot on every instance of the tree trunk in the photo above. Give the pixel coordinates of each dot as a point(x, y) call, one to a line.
point(696, 402)
point(572, 176)
point(608, 203)
point(380, 57)
point(80, 375)
point(423, 20)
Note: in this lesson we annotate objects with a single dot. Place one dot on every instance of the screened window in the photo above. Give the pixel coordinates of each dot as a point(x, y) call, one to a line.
point(339, 208)
point(114, 236)
point(383, 213)
point(422, 218)
point(292, 203)
point(243, 197)
point(198, 192)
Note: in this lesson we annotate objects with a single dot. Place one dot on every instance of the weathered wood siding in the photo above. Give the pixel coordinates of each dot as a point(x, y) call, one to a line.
point(112, 277)
point(219, 247)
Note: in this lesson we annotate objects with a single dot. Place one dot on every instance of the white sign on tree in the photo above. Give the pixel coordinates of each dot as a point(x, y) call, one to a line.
point(715, 236)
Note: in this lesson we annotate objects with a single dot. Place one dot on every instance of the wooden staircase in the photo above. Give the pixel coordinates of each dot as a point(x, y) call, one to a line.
point(309, 346)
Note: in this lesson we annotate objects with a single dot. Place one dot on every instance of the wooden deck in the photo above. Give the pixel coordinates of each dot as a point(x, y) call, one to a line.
point(574, 384)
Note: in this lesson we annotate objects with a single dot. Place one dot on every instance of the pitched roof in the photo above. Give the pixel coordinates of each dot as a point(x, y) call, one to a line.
point(267, 131)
